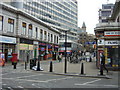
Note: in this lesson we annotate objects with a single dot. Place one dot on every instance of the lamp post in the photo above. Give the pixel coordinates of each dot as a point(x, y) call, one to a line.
point(96, 51)
point(65, 52)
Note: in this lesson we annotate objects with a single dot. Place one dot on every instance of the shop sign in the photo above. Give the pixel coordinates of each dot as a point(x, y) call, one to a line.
point(35, 42)
point(113, 42)
point(56, 46)
point(43, 44)
point(4, 39)
point(100, 42)
point(30, 47)
point(26, 47)
point(112, 33)
point(23, 47)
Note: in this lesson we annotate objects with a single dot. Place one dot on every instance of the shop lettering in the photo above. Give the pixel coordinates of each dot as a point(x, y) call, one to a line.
point(112, 42)
point(112, 33)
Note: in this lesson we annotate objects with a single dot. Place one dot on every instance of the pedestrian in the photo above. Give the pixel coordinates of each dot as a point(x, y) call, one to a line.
point(60, 57)
point(14, 60)
point(103, 62)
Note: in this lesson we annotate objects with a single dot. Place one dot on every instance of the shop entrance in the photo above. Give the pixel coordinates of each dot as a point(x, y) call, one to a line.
point(7, 50)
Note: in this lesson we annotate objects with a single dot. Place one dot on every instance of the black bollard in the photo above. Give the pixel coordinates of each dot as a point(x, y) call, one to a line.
point(101, 69)
point(82, 68)
point(51, 67)
point(14, 66)
point(90, 59)
point(38, 65)
point(25, 65)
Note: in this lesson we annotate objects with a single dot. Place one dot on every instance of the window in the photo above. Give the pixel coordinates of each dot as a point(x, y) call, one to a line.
point(45, 35)
point(118, 20)
point(23, 28)
point(41, 34)
point(54, 38)
point(36, 32)
point(48, 36)
point(30, 30)
point(10, 25)
point(57, 39)
point(51, 38)
point(1, 23)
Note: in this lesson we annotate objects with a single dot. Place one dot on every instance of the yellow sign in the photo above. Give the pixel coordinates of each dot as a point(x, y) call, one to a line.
point(26, 47)
point(23, 46)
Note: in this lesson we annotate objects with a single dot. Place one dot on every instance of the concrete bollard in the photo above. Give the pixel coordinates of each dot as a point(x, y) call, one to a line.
point(51, 67)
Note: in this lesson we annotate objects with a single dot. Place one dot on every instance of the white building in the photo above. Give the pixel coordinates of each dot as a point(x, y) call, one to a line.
point(21, 33)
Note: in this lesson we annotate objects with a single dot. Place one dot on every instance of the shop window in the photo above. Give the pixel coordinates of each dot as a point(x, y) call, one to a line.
point(10, 25)
point(23, 28)
point(1, 23)
point(30, 30)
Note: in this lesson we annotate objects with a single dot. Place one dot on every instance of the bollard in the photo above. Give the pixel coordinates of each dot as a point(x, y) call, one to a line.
point(51, 67)
point(38, 65)
point(90, 59)
point(82, 68)
point(25, 65)
point(14, 66)
point(101, 69)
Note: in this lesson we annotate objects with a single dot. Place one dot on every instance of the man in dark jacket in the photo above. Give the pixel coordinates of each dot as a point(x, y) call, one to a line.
point(103, 62)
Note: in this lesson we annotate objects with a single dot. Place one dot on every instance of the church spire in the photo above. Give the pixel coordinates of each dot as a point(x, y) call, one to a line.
point(83, 25)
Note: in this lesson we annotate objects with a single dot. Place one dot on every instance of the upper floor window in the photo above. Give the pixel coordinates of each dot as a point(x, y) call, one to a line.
point(45, 35)
point(23, 28)
point(41, 33)
point(51, 38)
point(118, 19)
point(54, 38)
point(48, 36)
point(10, 25)
point(30, 30)
point(1, 23)
point(57, 39)
point(36, 32)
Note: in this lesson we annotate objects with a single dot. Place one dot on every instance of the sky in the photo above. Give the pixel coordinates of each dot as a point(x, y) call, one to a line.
point(88, 13)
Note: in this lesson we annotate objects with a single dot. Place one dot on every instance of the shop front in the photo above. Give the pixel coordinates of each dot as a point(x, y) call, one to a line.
point(26, 47)
point(111, 49)
point(112, 53)
point(42, 50)
point(7, 47)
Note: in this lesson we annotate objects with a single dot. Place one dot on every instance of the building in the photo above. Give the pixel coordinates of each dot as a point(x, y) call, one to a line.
point(108, 41)
point(105, 12)
point(61, 15)
point(24, 34)
point(85, 39)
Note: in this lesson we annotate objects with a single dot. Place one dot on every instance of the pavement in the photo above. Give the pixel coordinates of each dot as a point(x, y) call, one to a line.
point(89, 68)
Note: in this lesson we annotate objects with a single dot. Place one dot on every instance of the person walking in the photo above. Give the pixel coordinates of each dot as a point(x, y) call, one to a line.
point(60, 57)
point(103, 62)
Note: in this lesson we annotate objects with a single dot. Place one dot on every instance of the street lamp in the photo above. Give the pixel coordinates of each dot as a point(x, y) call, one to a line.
point(66, 51)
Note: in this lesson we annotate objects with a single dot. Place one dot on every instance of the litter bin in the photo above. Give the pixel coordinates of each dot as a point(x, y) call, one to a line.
point(33, 62)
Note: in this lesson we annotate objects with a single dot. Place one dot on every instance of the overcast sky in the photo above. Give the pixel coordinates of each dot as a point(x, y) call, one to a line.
point(88, 12)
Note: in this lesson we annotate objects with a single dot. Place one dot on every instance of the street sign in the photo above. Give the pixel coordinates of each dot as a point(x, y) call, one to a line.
point(90, 42)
